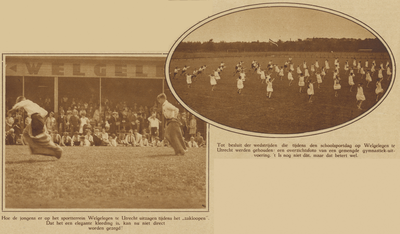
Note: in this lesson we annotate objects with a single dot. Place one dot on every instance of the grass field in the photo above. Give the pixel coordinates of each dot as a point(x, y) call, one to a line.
point(288, 111)
point(106, 177)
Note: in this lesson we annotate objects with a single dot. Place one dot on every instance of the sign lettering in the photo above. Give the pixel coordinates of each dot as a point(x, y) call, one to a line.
point(120, 70)
point(57, 69)
point(33, 69)
point(92, 68)
point(76, 70)
point(100, 70)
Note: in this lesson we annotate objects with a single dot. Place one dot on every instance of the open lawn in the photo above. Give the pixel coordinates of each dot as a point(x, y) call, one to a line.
point(106, 177)
point(288, 111)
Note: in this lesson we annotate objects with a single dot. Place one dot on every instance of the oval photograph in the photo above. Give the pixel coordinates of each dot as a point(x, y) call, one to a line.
point(281, 70)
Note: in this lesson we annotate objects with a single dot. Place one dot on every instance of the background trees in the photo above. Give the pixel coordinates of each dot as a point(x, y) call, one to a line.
point(309, 45)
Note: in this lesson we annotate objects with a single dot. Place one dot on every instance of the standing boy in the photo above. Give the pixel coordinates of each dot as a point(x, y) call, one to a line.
point(173, 131)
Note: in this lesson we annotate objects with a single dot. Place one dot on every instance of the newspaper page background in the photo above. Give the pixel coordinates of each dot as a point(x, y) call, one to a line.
point(247, 194)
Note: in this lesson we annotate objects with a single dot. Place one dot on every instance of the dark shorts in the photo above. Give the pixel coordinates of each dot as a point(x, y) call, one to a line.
point(153, 131)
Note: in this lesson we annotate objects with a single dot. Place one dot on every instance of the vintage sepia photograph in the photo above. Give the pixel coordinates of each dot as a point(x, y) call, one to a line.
point(281, 70)
point(200, 116)
point(99, 131)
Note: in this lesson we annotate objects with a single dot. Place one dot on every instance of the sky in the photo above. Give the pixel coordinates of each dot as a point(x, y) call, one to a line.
point(278, 23)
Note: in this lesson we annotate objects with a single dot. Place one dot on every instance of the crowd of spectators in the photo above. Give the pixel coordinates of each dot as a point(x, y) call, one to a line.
point(86, 123)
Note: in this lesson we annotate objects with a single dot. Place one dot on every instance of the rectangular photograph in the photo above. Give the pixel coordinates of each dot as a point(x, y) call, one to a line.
point(99, 132)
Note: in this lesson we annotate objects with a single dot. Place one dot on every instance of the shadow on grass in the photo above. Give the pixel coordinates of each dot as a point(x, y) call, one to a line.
point(30, 161)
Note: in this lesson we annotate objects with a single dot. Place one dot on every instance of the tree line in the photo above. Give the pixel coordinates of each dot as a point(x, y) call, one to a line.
point(307, 45)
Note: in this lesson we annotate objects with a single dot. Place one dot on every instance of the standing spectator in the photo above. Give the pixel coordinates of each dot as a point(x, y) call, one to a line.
point(47, 104)
point(146, 111)
point(154, 125)
point(124, 119)
point(133, 121)
point(61, 121)
point(73, 103)
point(139, 122)
point(192, 126)
point(64, 103)
point(113, 123)
point(96, 115)
point(81, 111)
point(51, 122)
point(67, 121)
point(74, 121)
point(85, 106)
point(90, 111)
point(184, 124)
point(84, 122)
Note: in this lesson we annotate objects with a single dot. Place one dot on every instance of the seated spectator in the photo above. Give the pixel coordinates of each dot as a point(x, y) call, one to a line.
point(130, 138)
point(17, 128)
point(145, 141)
point(192, 143)
point(146, 134)
point(66, 140)
point(166, 142)
point(88, 139)
point(113, 140)
point(186, 142)
point(199, 140)
point(75, 141)
point(55, 137)
point(28, 120)
point(159, 143)
point(9, 122)
point(11, 138)
point(97, 138)
point(121, 139)
point(138, 138)
point(105, 137)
